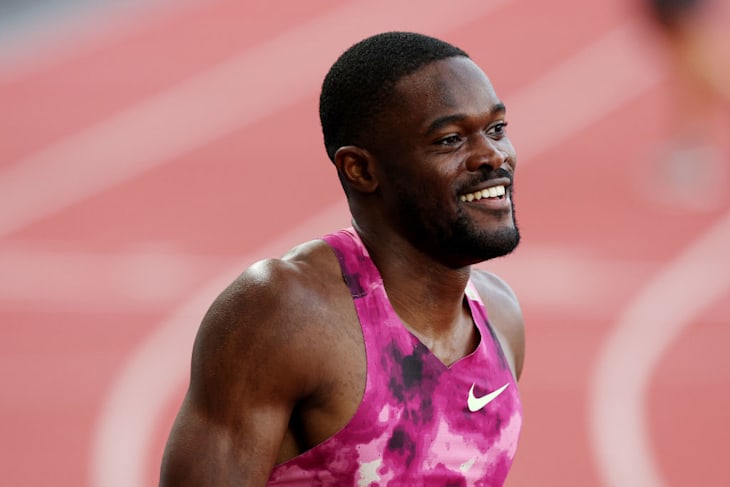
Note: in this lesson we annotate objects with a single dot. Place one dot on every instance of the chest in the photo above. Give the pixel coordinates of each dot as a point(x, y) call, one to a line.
point(403, 414)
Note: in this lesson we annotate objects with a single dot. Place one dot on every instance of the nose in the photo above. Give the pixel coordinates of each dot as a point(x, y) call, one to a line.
point(486, 151)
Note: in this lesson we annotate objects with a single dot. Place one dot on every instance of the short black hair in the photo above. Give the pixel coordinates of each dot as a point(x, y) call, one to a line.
point(360, 83)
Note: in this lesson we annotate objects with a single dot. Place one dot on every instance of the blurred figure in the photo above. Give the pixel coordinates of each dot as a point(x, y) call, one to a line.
point(692, 166)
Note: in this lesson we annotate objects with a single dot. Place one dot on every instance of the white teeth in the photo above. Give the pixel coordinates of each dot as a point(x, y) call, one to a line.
point(493, 192)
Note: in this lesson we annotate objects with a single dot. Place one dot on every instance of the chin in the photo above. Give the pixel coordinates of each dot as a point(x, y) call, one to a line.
point(481, 245)
point(501, 243)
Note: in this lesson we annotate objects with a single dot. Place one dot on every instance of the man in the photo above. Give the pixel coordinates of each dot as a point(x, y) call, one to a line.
point(366, 358)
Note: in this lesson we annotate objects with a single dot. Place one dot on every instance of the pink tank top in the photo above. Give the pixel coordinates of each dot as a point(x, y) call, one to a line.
point(419, 422)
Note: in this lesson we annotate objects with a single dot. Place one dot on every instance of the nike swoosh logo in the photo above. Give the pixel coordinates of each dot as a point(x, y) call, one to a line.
point(476, 403)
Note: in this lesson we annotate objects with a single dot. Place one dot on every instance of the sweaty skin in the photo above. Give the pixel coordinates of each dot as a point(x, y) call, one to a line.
point(279, 361)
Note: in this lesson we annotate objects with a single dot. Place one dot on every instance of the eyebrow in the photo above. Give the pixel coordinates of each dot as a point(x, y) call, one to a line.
point(449, 119)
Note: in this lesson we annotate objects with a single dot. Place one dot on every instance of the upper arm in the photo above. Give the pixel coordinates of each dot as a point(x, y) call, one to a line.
point(505, 316)
point(247, 372)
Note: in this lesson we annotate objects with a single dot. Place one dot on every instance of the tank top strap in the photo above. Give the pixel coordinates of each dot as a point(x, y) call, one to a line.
point(358, 270)
point(472, 295)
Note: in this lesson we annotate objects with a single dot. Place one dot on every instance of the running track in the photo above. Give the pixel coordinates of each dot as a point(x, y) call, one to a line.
point(149, 154)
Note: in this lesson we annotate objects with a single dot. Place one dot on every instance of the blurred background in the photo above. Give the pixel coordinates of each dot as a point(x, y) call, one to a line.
point(150, 150)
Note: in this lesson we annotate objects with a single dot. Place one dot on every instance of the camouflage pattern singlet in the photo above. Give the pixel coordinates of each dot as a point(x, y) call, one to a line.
point(419, 422)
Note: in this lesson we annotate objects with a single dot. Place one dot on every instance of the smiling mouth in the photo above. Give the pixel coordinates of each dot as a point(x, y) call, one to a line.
point(495, 192)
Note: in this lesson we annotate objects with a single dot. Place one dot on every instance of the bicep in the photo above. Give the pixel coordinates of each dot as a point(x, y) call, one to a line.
point(245, 380)
point(205, 449)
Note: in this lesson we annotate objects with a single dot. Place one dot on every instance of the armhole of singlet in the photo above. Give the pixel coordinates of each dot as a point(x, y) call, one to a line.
point(340, 242)
point(486, 329)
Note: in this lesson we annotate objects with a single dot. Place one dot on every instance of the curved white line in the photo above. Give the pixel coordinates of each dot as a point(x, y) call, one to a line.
point(155, 371)
point(689, 284)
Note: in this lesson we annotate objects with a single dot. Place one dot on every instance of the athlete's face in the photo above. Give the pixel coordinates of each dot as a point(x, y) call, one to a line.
point(447, 164)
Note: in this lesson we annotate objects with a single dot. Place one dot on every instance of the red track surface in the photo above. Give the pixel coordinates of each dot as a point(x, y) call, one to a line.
point(106, 270)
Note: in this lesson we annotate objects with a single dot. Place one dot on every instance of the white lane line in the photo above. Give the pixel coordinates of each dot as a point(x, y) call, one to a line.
point(156, 369)
point(143, 280)
point(233, 94)
point(123, 434)
point(128, 282)
point(583, 89)
point(648, 326)
point(564, 278)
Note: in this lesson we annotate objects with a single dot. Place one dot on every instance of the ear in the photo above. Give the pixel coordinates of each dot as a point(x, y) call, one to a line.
point(357, 168)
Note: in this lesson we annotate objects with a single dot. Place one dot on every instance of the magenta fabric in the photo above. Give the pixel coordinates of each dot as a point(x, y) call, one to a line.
point(413, 426)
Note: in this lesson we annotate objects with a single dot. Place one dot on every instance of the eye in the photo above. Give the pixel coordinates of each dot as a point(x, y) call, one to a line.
point(449, 140)
point(498, 130)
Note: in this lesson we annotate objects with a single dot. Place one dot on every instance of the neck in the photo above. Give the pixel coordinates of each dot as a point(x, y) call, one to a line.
point(427, 295)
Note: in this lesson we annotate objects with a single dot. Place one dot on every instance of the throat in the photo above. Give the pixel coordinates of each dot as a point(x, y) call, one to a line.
point(451, 344)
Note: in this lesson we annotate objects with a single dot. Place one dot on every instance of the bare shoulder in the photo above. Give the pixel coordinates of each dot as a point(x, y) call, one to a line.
point(272, 315)
point(505, 315)
point(271, 289)
point(261, 349)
